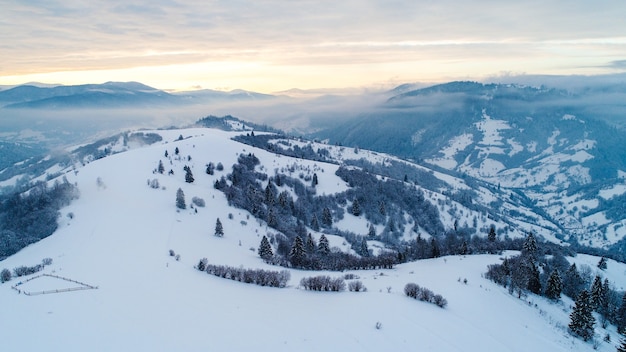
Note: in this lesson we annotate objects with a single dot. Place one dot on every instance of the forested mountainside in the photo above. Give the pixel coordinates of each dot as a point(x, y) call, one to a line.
point(544, 143)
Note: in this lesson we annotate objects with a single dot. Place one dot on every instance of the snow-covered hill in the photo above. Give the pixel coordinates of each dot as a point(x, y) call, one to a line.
point(117, 237)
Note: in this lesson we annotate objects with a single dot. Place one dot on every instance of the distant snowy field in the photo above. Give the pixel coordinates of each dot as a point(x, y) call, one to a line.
point(119, 237)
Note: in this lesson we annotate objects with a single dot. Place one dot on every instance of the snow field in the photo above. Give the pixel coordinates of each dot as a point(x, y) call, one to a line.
point(119, 240)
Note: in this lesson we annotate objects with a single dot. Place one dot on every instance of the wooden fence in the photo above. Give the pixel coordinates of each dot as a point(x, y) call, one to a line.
point(83, 286)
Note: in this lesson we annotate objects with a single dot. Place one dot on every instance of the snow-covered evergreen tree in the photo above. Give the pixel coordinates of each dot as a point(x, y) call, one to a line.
point(188, 175)
point(602, 263)
point(529, 248)
point(310, 244)
point(219, 229)
point(581, 319)
point(315, 225)
point(371, 233)
point(597, 293)
point(327, 218)
point(534, 285)
point(356, 208)
point(180, 199)
point(323, 247)
point(265, 249)
point(297, 253)
point(621, 316)
point(161, 168)
point(491, 237)
point(364, 250)
point(554, 286)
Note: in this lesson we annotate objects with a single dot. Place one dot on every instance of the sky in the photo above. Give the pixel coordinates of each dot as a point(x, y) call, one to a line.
point(269, 46)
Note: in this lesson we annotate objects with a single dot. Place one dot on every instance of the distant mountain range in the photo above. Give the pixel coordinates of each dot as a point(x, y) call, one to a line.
point(111, 95)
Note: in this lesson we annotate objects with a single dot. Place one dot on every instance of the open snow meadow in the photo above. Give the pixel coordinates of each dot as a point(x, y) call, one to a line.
point(124, 262)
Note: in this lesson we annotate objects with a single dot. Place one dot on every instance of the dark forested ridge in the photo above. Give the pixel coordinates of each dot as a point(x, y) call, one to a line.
point(28, 217)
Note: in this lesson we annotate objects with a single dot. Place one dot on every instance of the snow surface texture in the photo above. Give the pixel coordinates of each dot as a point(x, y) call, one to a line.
point(119, 237)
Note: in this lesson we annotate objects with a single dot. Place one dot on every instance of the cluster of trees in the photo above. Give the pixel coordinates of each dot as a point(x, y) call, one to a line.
point(309, 255)
point(5, 274)
point(249, 276)
point(423, 294)
point(264, 141)
point(323, 283)
point(532, 272)
point(27, 217)
point(381, 202)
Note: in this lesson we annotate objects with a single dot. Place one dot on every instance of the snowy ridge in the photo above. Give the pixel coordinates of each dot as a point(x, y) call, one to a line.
point(120, 232)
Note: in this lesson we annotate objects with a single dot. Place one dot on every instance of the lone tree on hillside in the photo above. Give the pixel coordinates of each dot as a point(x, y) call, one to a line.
point(219, 229)
point(265, 249)
point(180, 199)
point(161, 168)
point(188, 175)
point(602, 263)
point(581, 319)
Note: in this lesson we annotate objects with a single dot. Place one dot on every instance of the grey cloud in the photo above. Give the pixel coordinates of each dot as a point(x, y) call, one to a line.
point(618, 64)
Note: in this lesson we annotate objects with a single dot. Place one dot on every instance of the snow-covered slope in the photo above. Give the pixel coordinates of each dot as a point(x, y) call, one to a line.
point(117, 236)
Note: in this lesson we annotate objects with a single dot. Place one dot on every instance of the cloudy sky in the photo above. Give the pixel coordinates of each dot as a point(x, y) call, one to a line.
point(269, 46)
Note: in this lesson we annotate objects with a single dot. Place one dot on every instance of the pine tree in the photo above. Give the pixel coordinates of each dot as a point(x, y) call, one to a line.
point(371, 233)
point(297, 253)
point(364, 251)
point(314, 182)
point(323, 247)
point(463, 250)
point(572, 282)
point(327, 218)
point(534, 285)
point(176, 151)
point(161, 168)
point(310, 245)
point(315, 225)
point(188, 175)
point(581, 319)
point(272, 220)
point(219, 229)
point(554, 286)
point(265, 249)
point(602, 263)
point(529, 247)
point(269, 195)
point(597, 293)
point(492, 234)
point(166, 154)
point(435, 252)
point(381, 208)
point(621, 316)
point(180, 199)
point(356, 208)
